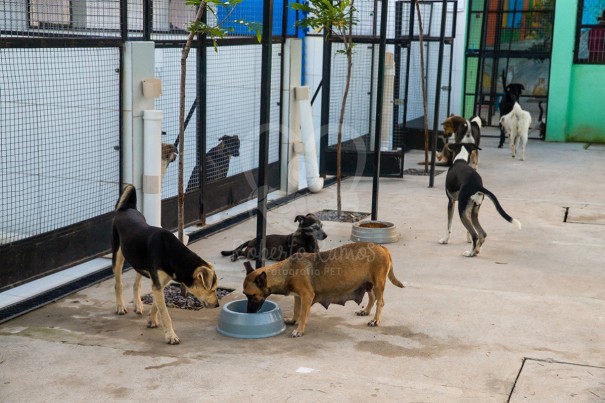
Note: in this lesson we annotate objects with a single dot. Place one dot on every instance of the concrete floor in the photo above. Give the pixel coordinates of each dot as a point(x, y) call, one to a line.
point(525, 319)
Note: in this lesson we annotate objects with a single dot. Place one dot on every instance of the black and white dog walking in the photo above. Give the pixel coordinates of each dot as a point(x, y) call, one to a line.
point(464, 184)
point(512, 93)
point(280, 247)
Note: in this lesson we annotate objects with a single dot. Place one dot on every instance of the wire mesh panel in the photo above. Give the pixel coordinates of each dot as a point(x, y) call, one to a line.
point(358, 112)
point(233, 110)
point(403, 92)
point(222, 103)
point(59, 126)
point(60, 18)
point(410, 72)
point(59, 157)
point(168, 69)
point(509, 43)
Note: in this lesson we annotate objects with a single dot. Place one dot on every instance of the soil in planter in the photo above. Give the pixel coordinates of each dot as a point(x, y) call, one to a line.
point(174, 299)
point(346, 216)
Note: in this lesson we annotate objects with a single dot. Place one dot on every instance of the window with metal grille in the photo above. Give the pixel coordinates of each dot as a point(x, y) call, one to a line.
point(590, 32)
point(49, 13)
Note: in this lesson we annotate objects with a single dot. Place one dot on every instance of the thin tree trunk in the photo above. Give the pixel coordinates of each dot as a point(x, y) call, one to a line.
point(348, 42)
point(424, 100)
point(184, 55)
point(339, 140)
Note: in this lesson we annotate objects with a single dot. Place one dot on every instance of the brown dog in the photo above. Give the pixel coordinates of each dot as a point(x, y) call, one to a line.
point(169, 154)
point(331, 277)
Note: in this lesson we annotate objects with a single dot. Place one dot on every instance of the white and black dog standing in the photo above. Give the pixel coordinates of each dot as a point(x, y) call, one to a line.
point(463, 184)
point(512, 93)
point(516, 124)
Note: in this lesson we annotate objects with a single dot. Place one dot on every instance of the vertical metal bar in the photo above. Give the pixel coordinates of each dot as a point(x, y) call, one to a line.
point(477, 101)
point(379, 98)
point(407, 64)
point(123, 20)
point(466, 54)
point(282, 67)
point(497, 50)
point(263, 147)
point(325, 105)
point(438, 91)
point(201, 92)
point(451, 43)
point(397, 80)
point(124, 37)
point(372, 46)
point(147, 19)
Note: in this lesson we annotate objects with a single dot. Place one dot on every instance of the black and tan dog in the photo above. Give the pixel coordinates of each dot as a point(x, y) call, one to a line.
point(331, 277)
point(217, 161)
point(280, 247)
point(451, 125)
point(158, 255)
point(463, 184)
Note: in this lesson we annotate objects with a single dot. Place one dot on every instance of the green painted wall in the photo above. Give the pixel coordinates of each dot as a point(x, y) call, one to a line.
point(575, 101)
point(586, 104)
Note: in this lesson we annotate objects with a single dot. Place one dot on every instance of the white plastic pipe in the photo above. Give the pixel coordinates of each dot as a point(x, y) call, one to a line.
point(152, 167)
point(386, 142)
point(307, 133)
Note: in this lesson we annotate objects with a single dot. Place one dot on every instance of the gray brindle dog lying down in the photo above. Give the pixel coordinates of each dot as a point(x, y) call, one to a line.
point(280, 247)
point(464, 184)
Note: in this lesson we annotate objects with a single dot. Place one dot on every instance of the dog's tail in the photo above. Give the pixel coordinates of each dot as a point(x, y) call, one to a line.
point(500, 209)
point(391, 273)
point(128, 198)
point(231, 252)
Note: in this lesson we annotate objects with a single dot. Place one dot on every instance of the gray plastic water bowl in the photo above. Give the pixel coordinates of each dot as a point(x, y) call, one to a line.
point(374, 231)
point(234, 321)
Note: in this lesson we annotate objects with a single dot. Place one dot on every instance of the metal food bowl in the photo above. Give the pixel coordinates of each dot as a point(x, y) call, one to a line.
point(374, 231)
point(234, 321)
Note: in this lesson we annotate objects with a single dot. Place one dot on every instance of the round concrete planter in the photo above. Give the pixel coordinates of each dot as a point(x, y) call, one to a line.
point(374, 231)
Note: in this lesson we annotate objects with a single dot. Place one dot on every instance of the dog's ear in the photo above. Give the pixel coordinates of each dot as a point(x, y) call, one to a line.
point(248, 266)
point(261, 280)
point(206, 276)
point(299, 218)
